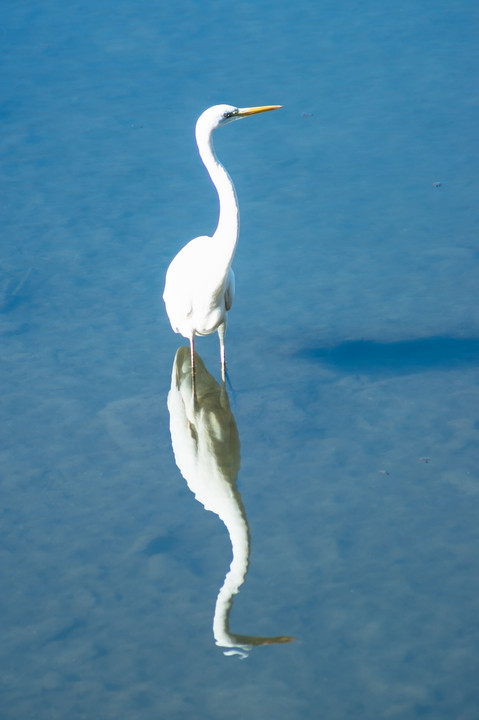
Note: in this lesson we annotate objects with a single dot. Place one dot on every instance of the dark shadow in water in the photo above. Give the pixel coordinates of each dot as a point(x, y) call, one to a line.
point(65, 632)
point(160, 545)
point(15, 292)
point(396, 358)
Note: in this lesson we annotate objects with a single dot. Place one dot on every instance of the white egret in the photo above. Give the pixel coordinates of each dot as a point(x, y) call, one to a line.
point(200, 283)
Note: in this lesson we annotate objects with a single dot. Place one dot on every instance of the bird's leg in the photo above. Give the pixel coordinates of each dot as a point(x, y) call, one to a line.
point(192, 360)
point(221, 334)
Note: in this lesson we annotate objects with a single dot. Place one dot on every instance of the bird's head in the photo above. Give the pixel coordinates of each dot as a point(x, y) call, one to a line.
point(219, 115)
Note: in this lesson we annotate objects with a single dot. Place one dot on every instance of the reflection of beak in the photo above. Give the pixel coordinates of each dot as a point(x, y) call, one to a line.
point(244, 112)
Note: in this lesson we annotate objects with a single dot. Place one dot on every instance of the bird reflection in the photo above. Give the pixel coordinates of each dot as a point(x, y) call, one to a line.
point(207, 451)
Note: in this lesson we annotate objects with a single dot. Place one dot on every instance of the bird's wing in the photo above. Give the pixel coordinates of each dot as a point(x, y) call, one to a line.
point(229, 289)
point(178, 301)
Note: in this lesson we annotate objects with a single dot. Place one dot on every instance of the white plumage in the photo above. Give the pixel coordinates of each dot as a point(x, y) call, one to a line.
point(200, 283)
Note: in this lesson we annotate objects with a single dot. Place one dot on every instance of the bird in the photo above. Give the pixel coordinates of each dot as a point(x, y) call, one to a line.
point(200, 282)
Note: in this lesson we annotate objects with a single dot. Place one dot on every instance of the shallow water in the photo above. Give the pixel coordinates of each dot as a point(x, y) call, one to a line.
point(353, 355)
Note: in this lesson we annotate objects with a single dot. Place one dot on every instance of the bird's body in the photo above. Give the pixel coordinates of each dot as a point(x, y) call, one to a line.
point(199, 287)
point(197, 293)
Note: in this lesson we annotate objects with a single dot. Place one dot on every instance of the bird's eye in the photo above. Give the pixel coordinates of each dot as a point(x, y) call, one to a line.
point(227, 114)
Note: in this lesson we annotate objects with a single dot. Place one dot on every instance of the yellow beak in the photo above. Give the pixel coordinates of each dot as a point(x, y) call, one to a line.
point(244, 112)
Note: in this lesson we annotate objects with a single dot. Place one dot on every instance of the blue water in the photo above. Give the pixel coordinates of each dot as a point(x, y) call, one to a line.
point(353, 357)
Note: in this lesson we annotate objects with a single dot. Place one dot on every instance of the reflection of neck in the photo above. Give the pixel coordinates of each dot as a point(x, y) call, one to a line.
point(235, 521)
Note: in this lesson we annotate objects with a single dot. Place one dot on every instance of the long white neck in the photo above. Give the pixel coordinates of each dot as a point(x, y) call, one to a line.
point(227, 231)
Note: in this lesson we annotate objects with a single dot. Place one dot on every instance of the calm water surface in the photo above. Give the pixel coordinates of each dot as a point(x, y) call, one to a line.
point(341, 462)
